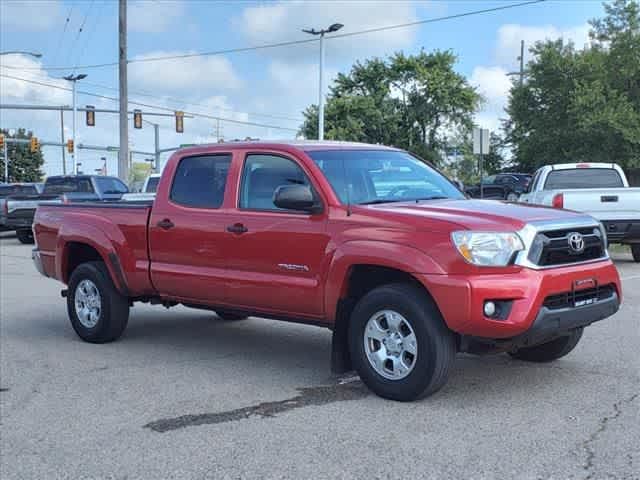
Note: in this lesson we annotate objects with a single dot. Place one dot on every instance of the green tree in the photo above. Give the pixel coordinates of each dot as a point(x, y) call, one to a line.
point(409, 101)
point(24, 166)
point(581, 105)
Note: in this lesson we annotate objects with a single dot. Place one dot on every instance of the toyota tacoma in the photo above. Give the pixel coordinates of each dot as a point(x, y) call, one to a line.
point(369, 241)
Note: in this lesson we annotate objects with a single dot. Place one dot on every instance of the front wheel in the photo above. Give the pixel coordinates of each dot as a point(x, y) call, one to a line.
point(25, 236)
point(635, 251)
point(98, 312)
point(399, 343)
point(550, 351)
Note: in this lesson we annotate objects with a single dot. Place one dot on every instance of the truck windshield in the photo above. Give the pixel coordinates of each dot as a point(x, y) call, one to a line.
point(583, 178)
point(152, 184)
point(381, 176)
point(110, 185)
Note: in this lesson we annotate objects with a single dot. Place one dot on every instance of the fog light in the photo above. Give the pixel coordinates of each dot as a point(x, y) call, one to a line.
point(489, 309)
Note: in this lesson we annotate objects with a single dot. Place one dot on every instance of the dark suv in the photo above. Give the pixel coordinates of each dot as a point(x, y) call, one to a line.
point(503, 186)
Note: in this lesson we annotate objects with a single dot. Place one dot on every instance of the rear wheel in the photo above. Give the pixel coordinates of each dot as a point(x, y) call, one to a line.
point(399, 343)
point(635, 251)
point(98, 312)
point(230, 316)
point(550, 351)
point(25, 236)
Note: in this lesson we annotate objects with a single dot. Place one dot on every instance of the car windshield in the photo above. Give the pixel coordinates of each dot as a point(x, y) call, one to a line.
point(152, 184)
point(381, 176)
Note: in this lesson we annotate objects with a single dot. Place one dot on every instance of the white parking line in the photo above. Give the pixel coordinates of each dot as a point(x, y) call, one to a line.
point(630, 278)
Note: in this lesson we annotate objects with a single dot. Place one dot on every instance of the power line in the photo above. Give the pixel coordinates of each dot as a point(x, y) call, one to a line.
point(64, 30)
point(75, 40)
point(88, 36)
point(298, 42)
point(179, 101)
point(157, 107)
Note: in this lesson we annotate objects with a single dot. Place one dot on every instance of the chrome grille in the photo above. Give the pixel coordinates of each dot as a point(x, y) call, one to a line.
point(553, 247)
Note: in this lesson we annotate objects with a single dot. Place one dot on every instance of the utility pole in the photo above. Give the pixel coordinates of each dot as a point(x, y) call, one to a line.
point(123, 152)
point(521, 73)
point(332, 28)
point(64, 155)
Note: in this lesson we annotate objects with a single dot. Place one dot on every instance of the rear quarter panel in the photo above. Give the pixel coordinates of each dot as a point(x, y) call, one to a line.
point(110, 231)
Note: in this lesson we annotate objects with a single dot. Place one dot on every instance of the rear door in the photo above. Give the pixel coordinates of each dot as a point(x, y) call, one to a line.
point(187, 231)
point(275, 256)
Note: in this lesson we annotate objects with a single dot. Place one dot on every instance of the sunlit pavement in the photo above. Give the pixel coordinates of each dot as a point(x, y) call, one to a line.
point(186, 395)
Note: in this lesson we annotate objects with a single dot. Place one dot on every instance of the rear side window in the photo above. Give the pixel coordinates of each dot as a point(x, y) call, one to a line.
point(59, 185)
point(200, 181)
point(261, 177)
point(583, 178)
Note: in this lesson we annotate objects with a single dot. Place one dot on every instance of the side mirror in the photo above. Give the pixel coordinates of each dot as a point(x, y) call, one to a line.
point(296, 197)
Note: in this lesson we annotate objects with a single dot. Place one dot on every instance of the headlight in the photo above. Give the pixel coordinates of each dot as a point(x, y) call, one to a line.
point(489, 249)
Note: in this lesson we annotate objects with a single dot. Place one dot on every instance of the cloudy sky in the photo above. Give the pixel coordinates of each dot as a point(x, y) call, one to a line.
point(269, 87)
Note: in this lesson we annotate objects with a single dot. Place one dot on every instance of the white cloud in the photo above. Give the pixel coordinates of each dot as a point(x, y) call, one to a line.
point(30, 15)
point(284, 20)
point(183, 74)
point(15, 67)
point(153, 16)
point(492, 83)
point(510, 35)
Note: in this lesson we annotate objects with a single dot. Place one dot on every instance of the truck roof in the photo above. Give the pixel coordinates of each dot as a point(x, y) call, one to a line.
point(306, 145)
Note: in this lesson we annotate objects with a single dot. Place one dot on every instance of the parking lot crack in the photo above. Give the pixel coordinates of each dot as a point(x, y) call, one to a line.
point(587, 445)
point(320, 395)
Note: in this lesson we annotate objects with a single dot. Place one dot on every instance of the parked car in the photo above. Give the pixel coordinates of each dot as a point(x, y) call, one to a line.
point(20, 209)
point(148, 191)
point(503, 186)
point(8, 189)
point(598, 189)
point(300, 231)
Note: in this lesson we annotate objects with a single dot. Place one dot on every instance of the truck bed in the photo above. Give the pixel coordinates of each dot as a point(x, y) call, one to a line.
point(118, 231)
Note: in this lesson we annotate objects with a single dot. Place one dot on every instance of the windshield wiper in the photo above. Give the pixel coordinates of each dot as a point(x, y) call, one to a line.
point(435, 197)
point(383, 200)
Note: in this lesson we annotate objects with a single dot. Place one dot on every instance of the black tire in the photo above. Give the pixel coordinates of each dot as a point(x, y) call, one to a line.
point(25, 236)
point(436, 346)
point(230, 316)
point(635, 252)
point(550, 351)
point(114, 307)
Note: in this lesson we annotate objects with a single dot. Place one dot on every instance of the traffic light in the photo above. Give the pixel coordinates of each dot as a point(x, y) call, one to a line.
point(179, 122)
point(1, 140)
point(91, 116)
point(70, 146)
point(34, 144)
point(137, 119)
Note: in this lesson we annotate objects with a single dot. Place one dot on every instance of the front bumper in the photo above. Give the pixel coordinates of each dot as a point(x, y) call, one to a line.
point(461, 299)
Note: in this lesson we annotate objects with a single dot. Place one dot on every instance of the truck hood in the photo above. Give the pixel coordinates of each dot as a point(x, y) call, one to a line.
point(473, 214)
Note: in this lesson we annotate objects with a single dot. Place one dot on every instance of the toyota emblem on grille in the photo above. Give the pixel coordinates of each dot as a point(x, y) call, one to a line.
point(576, 242)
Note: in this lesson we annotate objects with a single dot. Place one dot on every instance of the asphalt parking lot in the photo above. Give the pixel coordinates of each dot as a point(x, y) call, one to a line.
point(186, 395)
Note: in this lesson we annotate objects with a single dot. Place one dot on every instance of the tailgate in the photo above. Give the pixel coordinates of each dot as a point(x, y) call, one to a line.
point(605, 203)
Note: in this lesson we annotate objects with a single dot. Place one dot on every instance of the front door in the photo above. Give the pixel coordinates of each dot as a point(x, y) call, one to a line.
point(187, 231)
point(275, 256)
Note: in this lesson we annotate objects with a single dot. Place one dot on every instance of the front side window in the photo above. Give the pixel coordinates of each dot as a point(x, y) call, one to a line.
point(108, 185)
point(200, 182)
point(261, 177)
point(583, 178)
point(380, 176)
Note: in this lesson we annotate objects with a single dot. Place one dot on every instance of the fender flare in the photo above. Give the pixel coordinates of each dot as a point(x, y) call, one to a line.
point(97, 239)
point(371, 252)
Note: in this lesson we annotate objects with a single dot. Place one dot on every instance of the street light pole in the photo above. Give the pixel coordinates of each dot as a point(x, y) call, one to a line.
point(333, 28)
point(74, 79)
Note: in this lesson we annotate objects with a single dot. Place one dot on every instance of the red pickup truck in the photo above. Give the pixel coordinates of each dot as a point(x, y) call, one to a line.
point(366, 240)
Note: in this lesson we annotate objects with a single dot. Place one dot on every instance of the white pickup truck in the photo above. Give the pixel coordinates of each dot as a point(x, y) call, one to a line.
point(598, 189)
